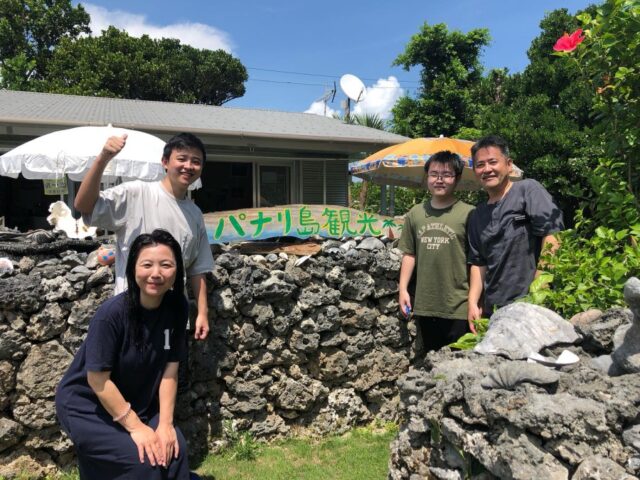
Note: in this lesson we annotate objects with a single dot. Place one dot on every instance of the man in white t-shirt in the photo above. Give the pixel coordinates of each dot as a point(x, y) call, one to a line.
point(139, 207)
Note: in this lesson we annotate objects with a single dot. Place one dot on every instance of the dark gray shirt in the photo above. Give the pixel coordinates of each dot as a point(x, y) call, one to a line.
point(506, 237)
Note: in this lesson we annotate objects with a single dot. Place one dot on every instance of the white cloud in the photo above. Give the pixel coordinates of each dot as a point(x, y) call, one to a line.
point(318, 108)
point(197, 35)
point(381, 97)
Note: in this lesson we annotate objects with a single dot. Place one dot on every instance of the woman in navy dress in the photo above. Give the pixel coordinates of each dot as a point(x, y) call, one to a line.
point(116, 401)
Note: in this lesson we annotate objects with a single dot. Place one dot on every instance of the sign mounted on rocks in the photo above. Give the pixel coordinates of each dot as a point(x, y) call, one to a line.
point(301, 221)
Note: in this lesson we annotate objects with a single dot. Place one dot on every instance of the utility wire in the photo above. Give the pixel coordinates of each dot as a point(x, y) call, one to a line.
point(321, 75)
point(307, 84)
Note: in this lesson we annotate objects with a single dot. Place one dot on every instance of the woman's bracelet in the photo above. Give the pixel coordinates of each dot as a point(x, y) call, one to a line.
point(124, 415)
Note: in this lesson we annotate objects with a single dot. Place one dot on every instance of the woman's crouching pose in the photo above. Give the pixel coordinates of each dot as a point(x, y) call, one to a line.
point(116, 401)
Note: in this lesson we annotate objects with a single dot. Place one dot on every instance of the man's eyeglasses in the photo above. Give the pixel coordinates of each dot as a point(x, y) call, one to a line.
point(444, 175)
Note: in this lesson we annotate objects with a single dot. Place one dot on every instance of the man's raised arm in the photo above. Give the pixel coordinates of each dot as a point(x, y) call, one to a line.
point(90, 187)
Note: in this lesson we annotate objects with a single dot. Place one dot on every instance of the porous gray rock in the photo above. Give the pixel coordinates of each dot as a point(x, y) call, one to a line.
point(10, 433)
point(391, 331)
point(21, 292)
point(279, 286)
point(42, 369)
point(512, 455)
point(249, 338)
point(626, 340)
point(82, 310)
point(102, 275)
point(605, 364)
point(384, 287)
point(371, 244)
point(218, 277)
point(525, 432)
point(261, 312)
point(73, 259)
point(59, 288)
point(269, 426)
point(335, 275)
point(380, 365)
point(344, 410)
point(316, 294)
point(357, 259)
point(357, 285)
point(300, 341)
point(358, 314)
point(230, 261)
point(509, 375)
point(7, 382)
point(358, 344)
point(241, 406)
point(332, 365)
point(26, 264)
point(384, 264)
point(520, 329)
point(241, 283)
point(632, 295)
point(601, 468)
point(223, 301)
point(36, 413)
point(37, 463)
point(79, 273)
point(327, 318)
point(598, 333)
point(13, 345)
point(47, 323)
point(298, 395)
point(631, 437)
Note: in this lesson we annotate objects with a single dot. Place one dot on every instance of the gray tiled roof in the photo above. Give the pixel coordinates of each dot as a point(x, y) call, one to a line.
point(70, 110)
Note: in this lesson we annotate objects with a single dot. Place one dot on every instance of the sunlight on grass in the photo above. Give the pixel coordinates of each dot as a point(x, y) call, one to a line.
point(360, 453)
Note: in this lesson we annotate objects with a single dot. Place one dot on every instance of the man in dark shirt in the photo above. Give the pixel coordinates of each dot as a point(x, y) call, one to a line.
point(506, 233)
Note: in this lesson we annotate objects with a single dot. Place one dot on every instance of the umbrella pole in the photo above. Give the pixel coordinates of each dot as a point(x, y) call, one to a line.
point(392, 200)
point(363, 195)
point(383, 199)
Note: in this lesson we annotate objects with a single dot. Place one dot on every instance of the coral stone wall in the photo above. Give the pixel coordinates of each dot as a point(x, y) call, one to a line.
point(318, 346)
point(465, 415)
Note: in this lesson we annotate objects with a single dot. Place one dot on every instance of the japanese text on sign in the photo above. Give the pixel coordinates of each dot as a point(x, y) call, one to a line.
point(301, 221)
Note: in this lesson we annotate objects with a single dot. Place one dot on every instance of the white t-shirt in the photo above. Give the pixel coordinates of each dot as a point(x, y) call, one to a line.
point(139, 207)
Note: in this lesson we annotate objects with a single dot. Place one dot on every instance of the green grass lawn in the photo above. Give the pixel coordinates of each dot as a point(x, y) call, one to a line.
point(362, 453)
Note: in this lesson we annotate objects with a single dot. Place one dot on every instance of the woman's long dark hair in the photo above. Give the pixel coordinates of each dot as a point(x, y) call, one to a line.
point(174, 296)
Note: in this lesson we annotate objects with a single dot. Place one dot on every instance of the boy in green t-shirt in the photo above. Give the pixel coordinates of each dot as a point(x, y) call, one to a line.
point(434, 242)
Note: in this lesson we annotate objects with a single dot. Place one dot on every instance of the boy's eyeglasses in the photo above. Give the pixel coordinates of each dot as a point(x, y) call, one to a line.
point(444, 176)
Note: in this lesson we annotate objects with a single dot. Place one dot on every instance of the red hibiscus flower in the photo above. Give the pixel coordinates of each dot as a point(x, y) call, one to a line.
point(568, 43)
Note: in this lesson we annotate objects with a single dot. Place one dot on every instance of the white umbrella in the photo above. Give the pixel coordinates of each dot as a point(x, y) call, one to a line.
point(71, 152)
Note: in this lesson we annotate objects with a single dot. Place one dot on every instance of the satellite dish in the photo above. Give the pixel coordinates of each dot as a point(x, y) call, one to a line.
point(353, 87)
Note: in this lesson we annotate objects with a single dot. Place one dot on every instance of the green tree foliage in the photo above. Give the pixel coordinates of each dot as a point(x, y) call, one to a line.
point(41, 49)
point(450, 73)
point(29, 32)
point(610, 60)
point(601, 252)
point(544, 113)
point(118, 65)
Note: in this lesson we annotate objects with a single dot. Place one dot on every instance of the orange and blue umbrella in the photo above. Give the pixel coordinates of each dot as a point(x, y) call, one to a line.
point(403, 164)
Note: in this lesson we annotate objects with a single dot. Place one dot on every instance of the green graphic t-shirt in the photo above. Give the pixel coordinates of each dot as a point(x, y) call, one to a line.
point(438, 239)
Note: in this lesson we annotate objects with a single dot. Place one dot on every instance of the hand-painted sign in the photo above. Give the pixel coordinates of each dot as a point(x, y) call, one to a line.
point(301, 221)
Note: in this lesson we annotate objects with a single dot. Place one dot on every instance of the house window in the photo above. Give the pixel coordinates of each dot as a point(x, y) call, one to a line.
point(324, 182)
point(225, 186)
point(274, 185)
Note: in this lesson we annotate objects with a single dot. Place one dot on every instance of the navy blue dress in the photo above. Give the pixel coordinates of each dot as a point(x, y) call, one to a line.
point(105, 449)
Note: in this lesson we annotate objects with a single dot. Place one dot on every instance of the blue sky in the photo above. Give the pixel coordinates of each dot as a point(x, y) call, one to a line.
point(321, 41)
